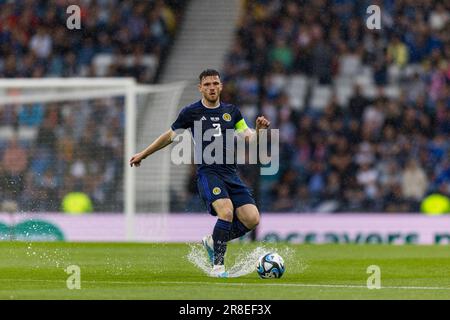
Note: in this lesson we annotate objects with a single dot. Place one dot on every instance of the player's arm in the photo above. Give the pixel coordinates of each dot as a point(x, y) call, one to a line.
point(250, 134)
point(162, 141)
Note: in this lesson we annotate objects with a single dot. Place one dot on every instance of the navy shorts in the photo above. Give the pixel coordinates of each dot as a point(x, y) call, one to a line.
point(218, 185)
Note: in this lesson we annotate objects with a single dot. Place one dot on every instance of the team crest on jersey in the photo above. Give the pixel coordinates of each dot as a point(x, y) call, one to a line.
point(216, 191)
point(226, 117)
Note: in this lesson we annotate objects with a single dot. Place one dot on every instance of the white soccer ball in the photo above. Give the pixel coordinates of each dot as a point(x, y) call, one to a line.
point(270, 265)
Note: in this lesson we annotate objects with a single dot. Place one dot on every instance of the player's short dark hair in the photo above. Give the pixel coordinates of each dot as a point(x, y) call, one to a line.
point(208, 73)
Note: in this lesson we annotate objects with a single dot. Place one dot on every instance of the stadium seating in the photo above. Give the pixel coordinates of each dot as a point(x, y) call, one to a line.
point(397, 102)
point(134, 39)
point(335, 89)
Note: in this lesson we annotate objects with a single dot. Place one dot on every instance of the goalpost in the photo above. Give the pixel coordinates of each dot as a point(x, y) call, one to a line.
point(147, 110)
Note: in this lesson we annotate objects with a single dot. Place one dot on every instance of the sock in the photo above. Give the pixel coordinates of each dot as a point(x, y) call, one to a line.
point(237, 229)
point(221, 235)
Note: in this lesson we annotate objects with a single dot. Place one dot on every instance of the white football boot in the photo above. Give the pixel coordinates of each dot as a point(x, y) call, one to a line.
point(208, 244)
point(218, 271)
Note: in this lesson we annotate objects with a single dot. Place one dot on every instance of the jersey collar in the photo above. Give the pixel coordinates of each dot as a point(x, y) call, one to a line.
point(218, 105)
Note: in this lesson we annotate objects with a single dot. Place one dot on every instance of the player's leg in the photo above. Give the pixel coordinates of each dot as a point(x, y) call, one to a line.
point(215, 195)
point(222, 228)
point(247, 218)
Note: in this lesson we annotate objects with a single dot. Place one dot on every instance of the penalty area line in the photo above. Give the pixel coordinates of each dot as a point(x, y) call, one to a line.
point(240, 284)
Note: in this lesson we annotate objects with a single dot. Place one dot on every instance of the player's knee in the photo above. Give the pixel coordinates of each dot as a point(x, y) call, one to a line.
point(225, 213)
point(254, 220)
point(224, 209)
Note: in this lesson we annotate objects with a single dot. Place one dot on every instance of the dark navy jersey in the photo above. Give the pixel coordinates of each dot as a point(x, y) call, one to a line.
point(212, 127)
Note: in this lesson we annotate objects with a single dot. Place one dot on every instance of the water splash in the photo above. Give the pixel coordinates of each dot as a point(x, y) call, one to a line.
point(44, 257)
point(116, 266)
point(198, 257)
point(246, 259)
point(245, 262)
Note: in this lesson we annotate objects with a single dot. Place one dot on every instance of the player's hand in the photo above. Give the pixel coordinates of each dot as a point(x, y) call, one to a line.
point(136, 160)
point(262, 123)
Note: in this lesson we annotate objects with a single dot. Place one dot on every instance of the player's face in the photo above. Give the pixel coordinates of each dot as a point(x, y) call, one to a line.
point(210, 88)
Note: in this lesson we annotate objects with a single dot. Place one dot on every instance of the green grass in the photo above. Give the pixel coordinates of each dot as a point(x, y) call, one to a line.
point(161, 271)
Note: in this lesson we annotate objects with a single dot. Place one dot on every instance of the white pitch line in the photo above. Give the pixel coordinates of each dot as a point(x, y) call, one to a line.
point(234, 284)
point(302, 285)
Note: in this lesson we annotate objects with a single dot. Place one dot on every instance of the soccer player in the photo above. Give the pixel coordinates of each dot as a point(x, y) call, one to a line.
point(223, 192)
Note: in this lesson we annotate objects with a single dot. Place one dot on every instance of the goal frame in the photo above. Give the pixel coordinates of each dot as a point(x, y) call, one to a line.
point(109, 87)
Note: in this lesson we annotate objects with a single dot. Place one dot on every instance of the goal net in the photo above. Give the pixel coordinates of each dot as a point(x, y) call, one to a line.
point(77, 135)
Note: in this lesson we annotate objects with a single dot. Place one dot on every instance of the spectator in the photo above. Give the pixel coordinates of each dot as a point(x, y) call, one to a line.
point(48, 192)
point(284, 200)
point(322, 60)
point(316, 180)
point(439, 17)
point(302, 202)
point(442, 182)
point(282, 53)
point(46, 137)
point(414, 181)
point(15, 162)
point(357, 103)
point(367, 177)
point(333, 189)
point(31, 115)
point(41, 43)
point(397, 52)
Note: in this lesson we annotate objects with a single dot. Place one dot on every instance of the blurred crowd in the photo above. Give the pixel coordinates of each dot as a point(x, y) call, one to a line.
point(74, 146)
point(381, 147)
point(78, 147)
point(371, 152)
point(36, 42)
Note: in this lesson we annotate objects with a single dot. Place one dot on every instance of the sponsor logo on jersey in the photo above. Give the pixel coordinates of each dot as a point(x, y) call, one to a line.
point(216, 191)
point(215, 118)
point(226, 117)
